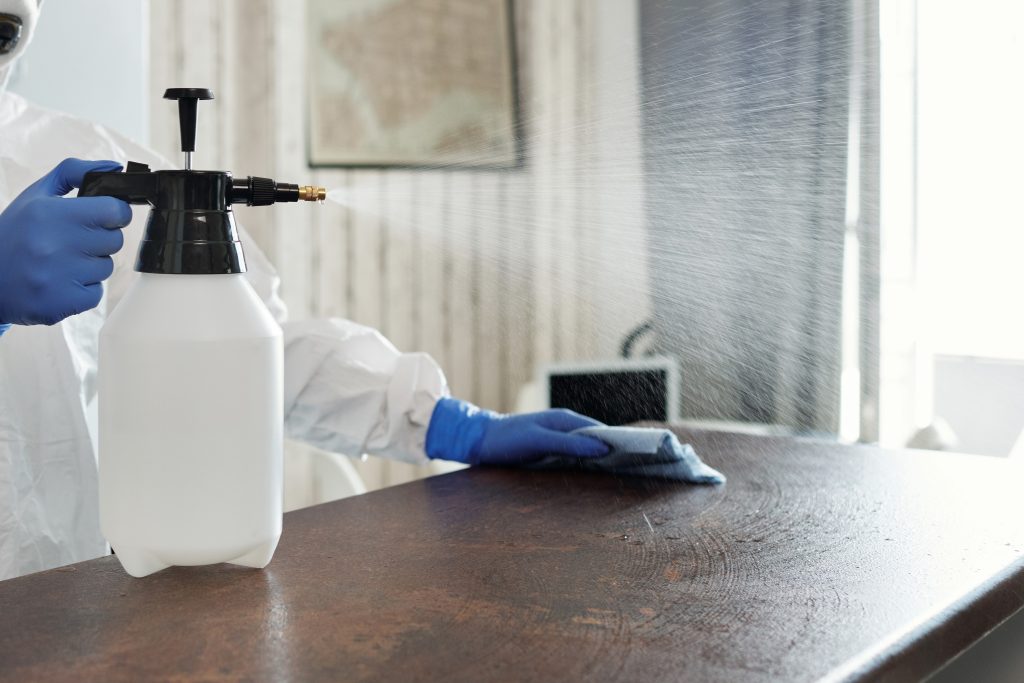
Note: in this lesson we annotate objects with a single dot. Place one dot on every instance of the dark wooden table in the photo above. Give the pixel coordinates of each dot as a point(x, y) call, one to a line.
point(814, 561)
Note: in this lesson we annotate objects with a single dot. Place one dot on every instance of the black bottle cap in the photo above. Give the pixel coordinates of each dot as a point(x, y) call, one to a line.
point(191, 228)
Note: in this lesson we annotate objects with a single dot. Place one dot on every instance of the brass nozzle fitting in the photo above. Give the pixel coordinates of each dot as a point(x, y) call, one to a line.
point(312, 193)
point(256, 191)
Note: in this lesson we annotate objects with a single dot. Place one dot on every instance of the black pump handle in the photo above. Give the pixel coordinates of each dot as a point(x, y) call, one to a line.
point(135, 185)
point(188, 100)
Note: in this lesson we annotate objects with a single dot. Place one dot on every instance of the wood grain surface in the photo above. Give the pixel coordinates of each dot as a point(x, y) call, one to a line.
point(814, 561)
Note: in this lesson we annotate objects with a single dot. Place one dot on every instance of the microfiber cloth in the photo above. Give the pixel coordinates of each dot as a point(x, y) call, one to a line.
point(638, 452)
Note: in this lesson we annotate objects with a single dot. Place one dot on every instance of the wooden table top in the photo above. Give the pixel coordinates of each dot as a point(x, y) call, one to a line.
point(814, 561)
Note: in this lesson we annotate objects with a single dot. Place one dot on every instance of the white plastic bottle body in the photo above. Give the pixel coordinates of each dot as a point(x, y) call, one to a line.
point(191, 424)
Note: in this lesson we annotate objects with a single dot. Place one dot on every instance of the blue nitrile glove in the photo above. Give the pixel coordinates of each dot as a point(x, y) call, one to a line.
point(55, 251)
point(462, 432)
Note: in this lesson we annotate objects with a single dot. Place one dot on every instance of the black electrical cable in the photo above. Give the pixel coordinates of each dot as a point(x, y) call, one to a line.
point(634, 336)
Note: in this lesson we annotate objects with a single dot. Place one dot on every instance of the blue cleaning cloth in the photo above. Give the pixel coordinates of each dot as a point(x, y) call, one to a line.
point(638, 452)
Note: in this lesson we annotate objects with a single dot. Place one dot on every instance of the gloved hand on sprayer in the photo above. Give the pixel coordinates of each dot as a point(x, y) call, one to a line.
point(56, 250)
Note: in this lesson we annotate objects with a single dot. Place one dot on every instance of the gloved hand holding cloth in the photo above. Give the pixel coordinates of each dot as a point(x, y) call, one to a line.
point(560, 439)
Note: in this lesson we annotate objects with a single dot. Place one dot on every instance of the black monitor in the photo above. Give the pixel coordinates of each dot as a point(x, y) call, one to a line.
point(617, 393)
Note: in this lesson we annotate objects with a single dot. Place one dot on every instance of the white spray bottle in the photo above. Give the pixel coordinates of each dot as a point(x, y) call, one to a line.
point(190, 375)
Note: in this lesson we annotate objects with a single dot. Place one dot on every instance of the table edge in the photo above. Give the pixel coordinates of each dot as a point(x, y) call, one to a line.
point(924, 648)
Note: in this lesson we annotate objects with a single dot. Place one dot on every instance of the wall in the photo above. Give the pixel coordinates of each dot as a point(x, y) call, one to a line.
point(69, 67)
point(494, 273)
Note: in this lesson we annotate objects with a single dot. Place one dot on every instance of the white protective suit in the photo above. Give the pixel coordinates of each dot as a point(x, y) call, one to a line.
point(347, 389)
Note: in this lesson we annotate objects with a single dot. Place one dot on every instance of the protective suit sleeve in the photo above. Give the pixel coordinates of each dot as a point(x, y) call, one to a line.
point(347, 389)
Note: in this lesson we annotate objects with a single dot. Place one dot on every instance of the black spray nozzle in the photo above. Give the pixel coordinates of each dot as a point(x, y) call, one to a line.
point(256, 191)
point(188, 106)
point(193, 190)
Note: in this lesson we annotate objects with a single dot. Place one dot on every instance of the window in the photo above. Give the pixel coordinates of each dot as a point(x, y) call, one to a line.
point(952, 229)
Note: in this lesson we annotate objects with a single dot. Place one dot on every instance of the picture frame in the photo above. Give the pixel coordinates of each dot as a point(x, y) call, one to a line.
point(413, 84)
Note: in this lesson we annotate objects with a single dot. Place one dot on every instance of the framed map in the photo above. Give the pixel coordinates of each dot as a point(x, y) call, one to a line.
point(412, 83)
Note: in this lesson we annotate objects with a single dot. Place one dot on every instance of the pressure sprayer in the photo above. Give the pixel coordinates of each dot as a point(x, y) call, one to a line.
point(191, 374)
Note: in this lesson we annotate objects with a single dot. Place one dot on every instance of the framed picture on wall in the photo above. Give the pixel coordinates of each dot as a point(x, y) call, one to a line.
point(427, 83)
